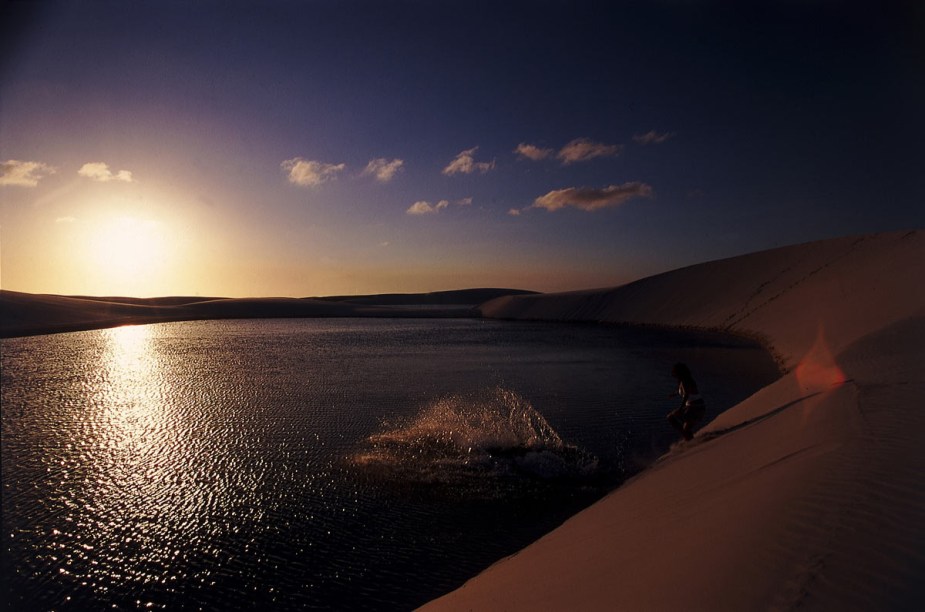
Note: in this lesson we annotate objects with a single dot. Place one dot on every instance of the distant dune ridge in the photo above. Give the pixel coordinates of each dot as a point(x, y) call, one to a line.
point(462, 297)
point(809, 494)
point(24, 314)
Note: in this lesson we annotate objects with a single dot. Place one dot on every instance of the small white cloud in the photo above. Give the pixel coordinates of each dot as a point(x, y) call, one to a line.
point(424, 207)
point(584, 149)
point(589, 199)
point(17, 173)
point(99, 171)
point(465, 163)
point(383, 169)
point(652, 137)
point(528, 151)
point(421, 208)
point(65, 220)
point(308, 173)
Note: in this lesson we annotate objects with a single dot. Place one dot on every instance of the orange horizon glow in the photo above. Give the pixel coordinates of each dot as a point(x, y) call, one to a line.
point(105, 248)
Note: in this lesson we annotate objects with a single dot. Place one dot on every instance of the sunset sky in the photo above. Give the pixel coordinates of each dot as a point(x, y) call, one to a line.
point(316, 148)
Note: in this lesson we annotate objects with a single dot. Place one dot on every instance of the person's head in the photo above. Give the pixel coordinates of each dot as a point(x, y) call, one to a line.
point(681, 372)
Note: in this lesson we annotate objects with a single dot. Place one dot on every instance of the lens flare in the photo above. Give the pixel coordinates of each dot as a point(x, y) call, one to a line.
point(818, 370)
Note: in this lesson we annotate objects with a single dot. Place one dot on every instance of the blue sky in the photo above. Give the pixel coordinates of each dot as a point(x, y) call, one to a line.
point(312, 148)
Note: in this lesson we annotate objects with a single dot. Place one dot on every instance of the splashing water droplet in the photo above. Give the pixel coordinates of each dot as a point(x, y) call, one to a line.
point(492, 434)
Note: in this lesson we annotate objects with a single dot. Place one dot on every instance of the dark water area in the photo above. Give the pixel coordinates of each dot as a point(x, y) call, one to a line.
point(361, 464)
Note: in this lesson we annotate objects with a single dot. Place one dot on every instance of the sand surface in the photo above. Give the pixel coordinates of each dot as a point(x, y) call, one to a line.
point(810, 494)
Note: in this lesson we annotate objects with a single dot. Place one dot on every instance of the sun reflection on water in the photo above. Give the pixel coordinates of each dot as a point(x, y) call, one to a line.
point(145, 502)
point(162, 481)
point(126, 463)
point(132, 394)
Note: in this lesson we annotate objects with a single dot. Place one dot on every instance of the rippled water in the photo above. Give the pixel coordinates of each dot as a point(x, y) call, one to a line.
point(332, 464)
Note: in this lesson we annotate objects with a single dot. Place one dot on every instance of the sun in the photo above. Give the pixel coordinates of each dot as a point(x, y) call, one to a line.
point(128, 253)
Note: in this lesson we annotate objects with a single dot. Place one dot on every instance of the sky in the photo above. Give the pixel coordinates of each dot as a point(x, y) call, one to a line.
point(283, 148)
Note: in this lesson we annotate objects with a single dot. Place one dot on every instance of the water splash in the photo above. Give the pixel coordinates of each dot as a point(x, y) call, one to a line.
point(495, 433)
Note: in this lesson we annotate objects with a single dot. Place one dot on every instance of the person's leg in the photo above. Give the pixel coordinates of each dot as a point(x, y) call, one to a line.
point(691, 418)
point(674, 417)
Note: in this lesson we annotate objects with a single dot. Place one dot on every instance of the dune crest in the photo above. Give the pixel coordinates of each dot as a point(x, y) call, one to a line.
point(807, 494)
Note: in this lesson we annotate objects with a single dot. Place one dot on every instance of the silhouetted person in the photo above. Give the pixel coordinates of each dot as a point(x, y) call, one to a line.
point(692, 407)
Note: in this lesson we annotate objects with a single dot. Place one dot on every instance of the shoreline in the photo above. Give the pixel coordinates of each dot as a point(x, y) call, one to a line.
point(25, 314)
point(66, 328)
point(806, 494)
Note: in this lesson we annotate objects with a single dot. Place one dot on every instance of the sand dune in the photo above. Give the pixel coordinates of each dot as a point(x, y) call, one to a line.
point(461, 297)
point(809, 494)
point(24, 314)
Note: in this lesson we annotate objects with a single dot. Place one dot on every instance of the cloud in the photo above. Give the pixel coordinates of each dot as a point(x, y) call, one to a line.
point(383, 169)
point(308, 173)
point(23, 173)
point(65, 220)
point(426, 208)
point(583, 149)
point(98, 171)
point(652, 137)
point(465, 163)
point(589, 199)
point(514, 212)
point(528, 151)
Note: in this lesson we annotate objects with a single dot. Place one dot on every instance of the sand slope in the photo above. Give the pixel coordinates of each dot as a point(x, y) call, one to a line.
point(810, 494)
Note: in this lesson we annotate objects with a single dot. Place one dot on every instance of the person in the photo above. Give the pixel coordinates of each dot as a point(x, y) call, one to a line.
point(692, 408)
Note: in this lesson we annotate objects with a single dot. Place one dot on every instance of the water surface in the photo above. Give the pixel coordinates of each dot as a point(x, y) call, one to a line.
point(320, 463)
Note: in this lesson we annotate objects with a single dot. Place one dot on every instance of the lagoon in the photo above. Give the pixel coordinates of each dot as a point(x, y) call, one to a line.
point(322, 463)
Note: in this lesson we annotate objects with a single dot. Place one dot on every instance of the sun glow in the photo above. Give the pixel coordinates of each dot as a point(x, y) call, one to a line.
point(128, 253)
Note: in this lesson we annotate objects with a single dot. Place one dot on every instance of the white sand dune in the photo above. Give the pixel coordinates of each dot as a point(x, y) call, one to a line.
point(810, 494)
